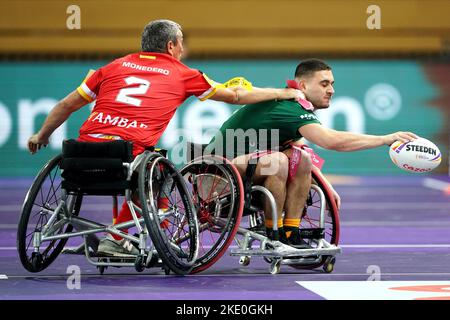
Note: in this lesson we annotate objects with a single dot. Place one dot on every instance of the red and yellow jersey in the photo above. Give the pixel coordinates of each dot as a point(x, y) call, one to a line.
point(137, 95)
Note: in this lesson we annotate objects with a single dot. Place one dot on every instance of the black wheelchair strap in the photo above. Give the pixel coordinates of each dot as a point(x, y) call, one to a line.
point(249, 172)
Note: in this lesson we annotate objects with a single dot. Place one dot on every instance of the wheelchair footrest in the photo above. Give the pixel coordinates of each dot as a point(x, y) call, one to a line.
point(287, 252)
point(113, 259)
point(312, 233)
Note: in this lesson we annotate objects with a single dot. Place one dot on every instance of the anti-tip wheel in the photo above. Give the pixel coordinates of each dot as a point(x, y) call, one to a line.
point(328, 266)
point(275, 266)
point(244, 261)
point(139, 263)
point(102, 269)
point(166, 270)
point(36, 261)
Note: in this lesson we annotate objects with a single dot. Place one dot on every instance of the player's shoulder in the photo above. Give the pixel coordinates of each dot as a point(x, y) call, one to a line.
point(118, 61)
point(285, 106)
point(292, 106)
point(132, 57)
point(185, 69)
point(288, 103)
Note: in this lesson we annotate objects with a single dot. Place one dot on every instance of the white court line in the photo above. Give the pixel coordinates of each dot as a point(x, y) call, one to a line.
point(236, 275)
point(387, 192)
point(431, 224)
point(342, 246)
point(423, 224)
point(3, 277)
point(15, 248)
point(395, 205)
point(345, 205)
point(88, 206)
point(436, 184)
point(395, 246)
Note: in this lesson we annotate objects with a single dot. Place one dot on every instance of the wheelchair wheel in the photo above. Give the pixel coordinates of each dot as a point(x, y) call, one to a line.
point(169, 213)
point(219, 199)
point(40, 202)
point(311, 218)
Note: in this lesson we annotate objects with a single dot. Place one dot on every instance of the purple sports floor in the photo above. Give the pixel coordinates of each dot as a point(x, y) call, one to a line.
point(391, 227)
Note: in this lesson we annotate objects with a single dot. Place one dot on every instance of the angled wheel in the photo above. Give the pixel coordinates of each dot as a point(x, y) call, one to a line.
point(218, 195)
point(169, 213)
point(311, 218)
point(40, 202)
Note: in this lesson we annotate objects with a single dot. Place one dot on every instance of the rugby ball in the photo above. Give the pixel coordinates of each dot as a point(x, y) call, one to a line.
point(420, 155)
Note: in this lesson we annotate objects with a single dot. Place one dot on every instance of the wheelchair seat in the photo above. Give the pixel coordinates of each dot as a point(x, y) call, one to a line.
point(96, 168)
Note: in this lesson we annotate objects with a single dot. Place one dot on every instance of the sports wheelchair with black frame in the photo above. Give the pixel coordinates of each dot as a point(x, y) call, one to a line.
point(229, 208)
point(51, 211)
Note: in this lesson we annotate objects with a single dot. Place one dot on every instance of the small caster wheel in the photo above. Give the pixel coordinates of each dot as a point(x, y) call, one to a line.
point(244, 261)
point(102, 269)
point(139, 263)
point(36, 261)
point(166, 270)
point(275, 266)
point(328, 266)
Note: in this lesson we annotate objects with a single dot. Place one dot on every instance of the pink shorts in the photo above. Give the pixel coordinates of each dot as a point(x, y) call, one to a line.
point(296, 158)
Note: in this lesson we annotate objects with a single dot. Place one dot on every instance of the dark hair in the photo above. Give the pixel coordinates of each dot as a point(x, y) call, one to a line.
point(157, 34)
point(309, 66)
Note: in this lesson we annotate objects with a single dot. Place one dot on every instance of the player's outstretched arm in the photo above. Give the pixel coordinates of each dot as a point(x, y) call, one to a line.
point(348, 141)
point(239, 95)
point(55, 118)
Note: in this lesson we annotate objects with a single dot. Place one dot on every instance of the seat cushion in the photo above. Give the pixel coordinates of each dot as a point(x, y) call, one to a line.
point(118, 149)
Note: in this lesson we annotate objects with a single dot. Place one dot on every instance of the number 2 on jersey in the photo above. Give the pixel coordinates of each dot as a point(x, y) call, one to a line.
point(125, 94)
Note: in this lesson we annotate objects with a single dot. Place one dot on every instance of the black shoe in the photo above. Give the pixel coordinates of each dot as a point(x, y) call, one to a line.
point(294, 239)
point(278, 235)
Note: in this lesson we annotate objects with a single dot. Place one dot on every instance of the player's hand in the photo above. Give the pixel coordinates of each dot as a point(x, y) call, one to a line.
point(289, 93)
point(35, 143)
point(301, 99)
point(399, 136)
point(337, 198)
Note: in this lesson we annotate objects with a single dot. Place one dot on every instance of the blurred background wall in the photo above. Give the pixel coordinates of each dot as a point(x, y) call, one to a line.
point(390, 61)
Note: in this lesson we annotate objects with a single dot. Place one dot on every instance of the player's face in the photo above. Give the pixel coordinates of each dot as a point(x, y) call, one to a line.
point(318, 88)
point(178, 48)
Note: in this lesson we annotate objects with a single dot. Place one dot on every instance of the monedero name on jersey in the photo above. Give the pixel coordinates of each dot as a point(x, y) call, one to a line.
point(145, 68)
point(116, 121)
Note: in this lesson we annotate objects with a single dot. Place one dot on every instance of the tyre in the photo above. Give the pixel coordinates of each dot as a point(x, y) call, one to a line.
point(40, 202)
point(169, 213)
point(218, 196)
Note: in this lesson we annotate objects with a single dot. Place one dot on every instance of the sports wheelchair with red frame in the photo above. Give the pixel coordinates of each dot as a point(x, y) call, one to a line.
point(229, 209)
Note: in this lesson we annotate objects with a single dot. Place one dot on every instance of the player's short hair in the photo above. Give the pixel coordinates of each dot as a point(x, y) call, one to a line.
point(157, 34)
point(309, 66)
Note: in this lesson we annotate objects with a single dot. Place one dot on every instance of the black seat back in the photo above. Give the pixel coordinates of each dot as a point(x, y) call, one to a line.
point(96, 167)
point(118, 149)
